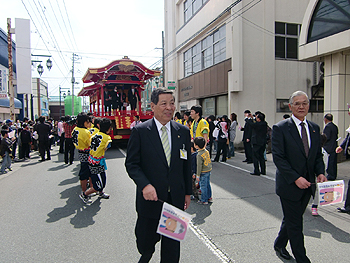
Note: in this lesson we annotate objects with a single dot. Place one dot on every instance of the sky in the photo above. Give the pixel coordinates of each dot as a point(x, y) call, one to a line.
point(99, 32)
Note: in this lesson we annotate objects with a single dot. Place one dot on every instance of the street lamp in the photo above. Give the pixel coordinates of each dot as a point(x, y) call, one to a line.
point(40, 69)
point(49, 63)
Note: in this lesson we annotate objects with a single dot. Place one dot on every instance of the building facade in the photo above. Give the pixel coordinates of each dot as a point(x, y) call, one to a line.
point(229, 56)
point(39, 103)
point(325, 37)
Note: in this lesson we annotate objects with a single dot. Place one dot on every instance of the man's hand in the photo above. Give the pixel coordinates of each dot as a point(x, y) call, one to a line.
point(339, 149)
point(321, 178)
point(248, 140)
point(187, 201)
point(302, 183)
point(149, 193)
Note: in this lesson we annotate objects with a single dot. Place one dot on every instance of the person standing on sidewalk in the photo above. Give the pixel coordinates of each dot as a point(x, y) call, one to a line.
point(43, 129)
point(199, 127)
point(68, 127)
point(232, 131)
point(6, 151)
point(331, 131)
point(296, 151)
point(258, 140)
point(247, 134)
point(60, 134)
point(344, 146)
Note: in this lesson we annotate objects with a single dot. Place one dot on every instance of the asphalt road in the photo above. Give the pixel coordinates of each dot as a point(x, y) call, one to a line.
point(43, 219)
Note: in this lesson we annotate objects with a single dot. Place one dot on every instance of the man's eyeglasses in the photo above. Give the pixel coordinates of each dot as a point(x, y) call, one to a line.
point(299, 104)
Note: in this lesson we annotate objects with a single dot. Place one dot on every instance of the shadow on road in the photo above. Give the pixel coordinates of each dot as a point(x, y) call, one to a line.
point(201, 212)
point(324, 226)
point(83, 214)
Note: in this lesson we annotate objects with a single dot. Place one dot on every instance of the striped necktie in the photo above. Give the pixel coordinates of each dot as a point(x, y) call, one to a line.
point(304, 138)
point(166, 145)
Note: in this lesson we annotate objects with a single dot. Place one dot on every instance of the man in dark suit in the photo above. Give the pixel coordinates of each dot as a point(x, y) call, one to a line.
point(107, 100)
point(258, 140)
point(153, 161)
point(43, 129)
point(247, 134)
point(298, 157)
point(344, 146)
point(331, 131)
point(133, 97)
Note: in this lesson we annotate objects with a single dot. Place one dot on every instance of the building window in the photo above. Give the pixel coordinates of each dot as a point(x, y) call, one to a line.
point(329, 18)
point(209, 51)
point(286, 40)
point(191, 7)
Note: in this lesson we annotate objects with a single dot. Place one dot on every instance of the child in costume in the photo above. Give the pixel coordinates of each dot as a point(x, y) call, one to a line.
point(81, 139)
point(100, 142)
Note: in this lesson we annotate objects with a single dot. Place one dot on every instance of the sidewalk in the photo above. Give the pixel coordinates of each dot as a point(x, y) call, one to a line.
point(343, 167)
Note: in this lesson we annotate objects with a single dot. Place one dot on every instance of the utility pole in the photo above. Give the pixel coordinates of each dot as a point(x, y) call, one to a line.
point(10, 85)
point(163, 64)
point(73, 81)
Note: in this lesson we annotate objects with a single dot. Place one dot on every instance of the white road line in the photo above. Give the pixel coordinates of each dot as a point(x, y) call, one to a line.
point(209, 243)
point(244, 170)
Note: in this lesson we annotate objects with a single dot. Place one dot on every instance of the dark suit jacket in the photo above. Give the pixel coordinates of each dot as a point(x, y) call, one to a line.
point(259, 131)
point(132, 97)
point(331, 130)
point(290, 158)
point(146, 164)
point(247, 131)
point(44, 130)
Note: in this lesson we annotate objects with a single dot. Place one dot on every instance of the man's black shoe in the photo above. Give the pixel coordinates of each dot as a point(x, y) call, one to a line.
point(249, 162)
point(344, 210)
point(282, 252)
point(42, 160)
point(254, 174)
point(245, 161)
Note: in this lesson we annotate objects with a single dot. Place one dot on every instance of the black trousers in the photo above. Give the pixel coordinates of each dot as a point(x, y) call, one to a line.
point(25, 150)
point(221, 146)
point(248, 151)
point(292, 226)
point(61, 150)
point(108, 108)
point(68, 149)
point(258, 158)
point(44, 146)
point(147, 238)
point(332, 166)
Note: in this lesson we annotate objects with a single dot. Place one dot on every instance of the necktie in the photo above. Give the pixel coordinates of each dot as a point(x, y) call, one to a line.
point(304, 138)
point(166, 145)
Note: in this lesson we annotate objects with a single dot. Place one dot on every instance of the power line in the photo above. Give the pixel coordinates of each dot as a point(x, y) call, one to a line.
point(59, 8)
point(70, 25)
point(59, 25)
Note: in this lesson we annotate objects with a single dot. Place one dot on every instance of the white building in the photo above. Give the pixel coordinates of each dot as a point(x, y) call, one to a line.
point(39, 104)
point(229, 56)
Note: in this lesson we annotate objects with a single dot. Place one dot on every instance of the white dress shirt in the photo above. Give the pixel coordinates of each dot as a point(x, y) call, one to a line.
point(297, 123)
point(159, 128)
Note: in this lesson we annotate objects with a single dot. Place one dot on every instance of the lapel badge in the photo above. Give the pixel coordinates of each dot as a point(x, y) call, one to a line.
point(178, 136)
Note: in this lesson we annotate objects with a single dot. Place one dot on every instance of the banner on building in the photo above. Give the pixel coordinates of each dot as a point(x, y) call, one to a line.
point(331, 192)
point(23, 56)
point(173, 222)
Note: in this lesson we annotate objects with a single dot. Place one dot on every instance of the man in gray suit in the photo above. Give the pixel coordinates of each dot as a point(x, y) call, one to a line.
point(297, 155)
point(160, 172)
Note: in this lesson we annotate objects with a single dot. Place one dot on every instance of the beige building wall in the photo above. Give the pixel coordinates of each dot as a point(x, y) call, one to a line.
point(257, 79)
